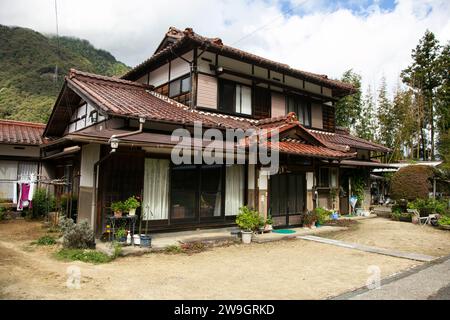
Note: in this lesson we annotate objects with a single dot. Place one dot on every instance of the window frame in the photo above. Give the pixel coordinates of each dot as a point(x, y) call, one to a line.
point(180, 86)
point(220, 83)
point(302, 105)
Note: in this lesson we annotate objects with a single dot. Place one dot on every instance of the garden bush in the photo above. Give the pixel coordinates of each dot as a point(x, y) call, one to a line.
point(323, 215)
point(411, 183)
point(76, 235)
point(42, 204)
point(429, 206)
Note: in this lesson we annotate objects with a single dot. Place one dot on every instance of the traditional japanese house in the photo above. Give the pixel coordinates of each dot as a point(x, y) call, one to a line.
point(19, 156)
point(189, 79)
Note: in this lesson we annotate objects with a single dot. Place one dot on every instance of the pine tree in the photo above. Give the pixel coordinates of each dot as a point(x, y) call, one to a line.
point(423, 76)
point(348, 109)
point(405, 123)
point(366, 126)
point(386, 116)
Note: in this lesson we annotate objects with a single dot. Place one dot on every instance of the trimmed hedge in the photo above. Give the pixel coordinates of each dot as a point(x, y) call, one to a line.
point(411, 183)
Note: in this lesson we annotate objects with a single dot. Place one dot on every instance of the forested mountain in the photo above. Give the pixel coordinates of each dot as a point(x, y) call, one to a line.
point(28, 60)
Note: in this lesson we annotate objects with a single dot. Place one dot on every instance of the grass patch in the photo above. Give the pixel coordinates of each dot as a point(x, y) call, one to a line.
point(173, 249)
point(90, 256)
point(45, 241)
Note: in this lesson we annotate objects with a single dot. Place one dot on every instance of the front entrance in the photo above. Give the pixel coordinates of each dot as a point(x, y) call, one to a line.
point(287, 194)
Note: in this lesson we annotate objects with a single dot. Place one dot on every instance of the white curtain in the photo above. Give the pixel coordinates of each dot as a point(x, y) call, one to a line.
point(234, 189)
point(27, 168)
point(155, 204)
point(8, 177)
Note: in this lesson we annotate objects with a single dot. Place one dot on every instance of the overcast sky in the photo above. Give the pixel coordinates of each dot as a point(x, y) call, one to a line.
point(374, 38)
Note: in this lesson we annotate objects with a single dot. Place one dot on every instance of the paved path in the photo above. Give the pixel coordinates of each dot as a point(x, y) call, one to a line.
point(429, 281)
point(361, 247)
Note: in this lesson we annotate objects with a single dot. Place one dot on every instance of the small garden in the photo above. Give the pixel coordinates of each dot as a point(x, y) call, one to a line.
point(410, 188)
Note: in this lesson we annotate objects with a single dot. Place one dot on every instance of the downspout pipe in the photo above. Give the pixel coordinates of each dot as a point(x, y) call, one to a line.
point(115, 137)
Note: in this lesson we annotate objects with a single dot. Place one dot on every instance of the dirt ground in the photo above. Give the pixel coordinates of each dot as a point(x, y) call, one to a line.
point(401, 236)
point(293, 269)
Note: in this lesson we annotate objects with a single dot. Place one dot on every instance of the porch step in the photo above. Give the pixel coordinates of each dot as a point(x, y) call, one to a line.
point(361, 247)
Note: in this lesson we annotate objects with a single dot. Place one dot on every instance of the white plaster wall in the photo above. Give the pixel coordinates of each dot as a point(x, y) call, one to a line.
point(180, 67)
point(28, 151)
point(159, 76)
point(90, 154)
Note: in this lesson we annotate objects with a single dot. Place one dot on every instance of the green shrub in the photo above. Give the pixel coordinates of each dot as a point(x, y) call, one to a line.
point(66, 199)
point(248, 219)
point(46, 241)
point(42, 203)
point(429, 206)
point(323, 215)
point(2, 213)
point(444, 221)
point(412, 182)
point(76, 235)
point(84, 255)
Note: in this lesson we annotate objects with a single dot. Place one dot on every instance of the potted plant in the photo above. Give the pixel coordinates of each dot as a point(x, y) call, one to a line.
point(131, 205)
point(444, 222)
point(269, 224)
point(117, 208)
point(309, 219)
point(121, 234)
point(322, 215)
point(248, 220)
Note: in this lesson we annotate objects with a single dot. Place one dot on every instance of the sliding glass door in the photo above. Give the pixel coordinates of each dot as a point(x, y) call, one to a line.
point(196, 193)
point(183, 193)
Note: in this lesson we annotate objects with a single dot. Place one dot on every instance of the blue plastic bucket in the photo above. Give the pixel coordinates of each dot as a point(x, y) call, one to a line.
point(146, 241)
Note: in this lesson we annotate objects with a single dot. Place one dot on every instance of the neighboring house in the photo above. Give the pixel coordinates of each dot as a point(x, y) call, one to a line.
point(192, 78)
point(19, 156)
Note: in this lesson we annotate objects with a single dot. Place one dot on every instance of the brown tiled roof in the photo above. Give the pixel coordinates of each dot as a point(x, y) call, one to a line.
point(188, 35)
point(294, 146)
point(348, 140)
point(21, 132)
point(124, 98)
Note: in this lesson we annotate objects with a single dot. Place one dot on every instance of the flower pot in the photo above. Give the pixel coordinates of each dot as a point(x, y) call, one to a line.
point(268, 227)
point(246, 236)
point(132, 212)
point(117, 214)
point(145, 241)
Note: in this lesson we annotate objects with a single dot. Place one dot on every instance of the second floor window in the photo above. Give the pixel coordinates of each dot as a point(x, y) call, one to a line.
point(235, 98)
point(180, 86)
point(301, 108)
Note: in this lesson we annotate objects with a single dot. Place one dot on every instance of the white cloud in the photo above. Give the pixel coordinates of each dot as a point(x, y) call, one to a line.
point(318, 38)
